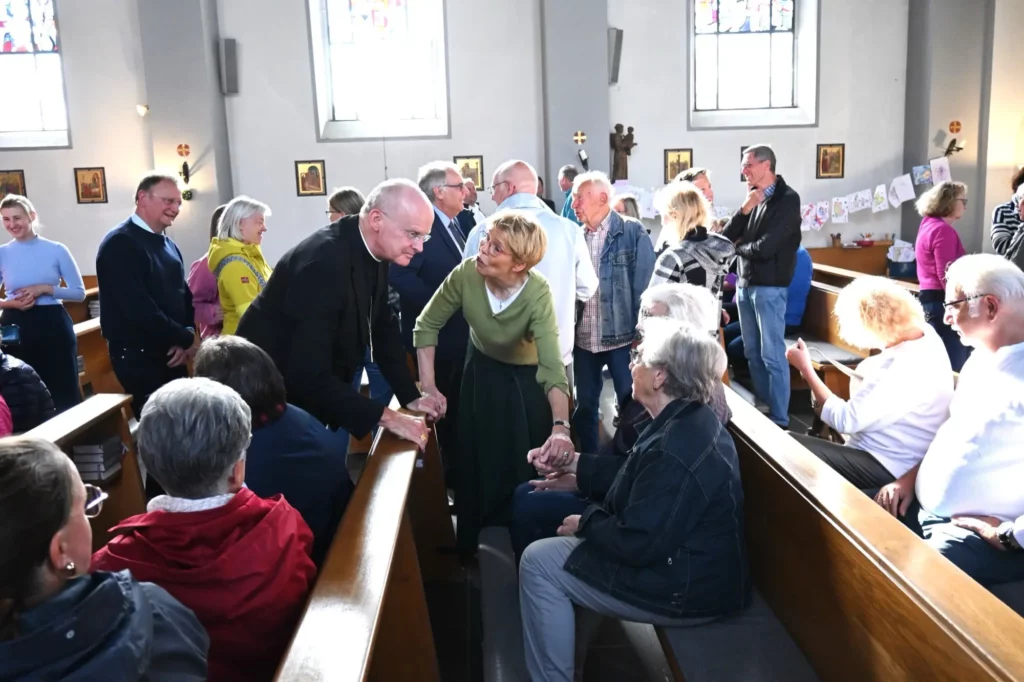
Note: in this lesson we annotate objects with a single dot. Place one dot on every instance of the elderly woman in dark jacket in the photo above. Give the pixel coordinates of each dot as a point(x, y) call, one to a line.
point(25, 393)
point(57, 622)
point(666, 546)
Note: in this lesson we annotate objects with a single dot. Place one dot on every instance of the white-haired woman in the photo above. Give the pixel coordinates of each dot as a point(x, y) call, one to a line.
point(892, 416)
point(236, 259)
point(666, 545)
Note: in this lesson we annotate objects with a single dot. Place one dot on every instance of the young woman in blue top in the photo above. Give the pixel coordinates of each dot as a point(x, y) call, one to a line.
point(31, 269)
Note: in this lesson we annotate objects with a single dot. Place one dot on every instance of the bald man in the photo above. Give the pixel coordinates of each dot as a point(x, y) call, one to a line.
point(327, 301)
point(566, 264)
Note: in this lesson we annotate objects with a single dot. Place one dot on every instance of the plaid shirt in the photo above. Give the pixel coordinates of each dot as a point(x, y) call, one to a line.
point(588, 331)
point(769, 191)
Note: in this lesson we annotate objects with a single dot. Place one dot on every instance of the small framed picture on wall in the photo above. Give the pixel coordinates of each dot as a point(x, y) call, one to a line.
point(472, 168)
point(91, 185)
point(831, 161)
point(677, 161)
point(12, 182)
point(310, 178)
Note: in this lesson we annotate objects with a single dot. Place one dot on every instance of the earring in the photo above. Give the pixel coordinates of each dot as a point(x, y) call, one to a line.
point(70, 567)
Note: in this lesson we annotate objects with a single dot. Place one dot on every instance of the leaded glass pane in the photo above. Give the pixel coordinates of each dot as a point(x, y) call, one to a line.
point(782, 15)
point(744, 16)
point(743, 77)
point(705, 16)
point(44, 26)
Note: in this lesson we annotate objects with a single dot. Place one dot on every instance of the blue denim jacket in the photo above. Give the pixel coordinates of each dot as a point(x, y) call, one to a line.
point(626, 266)
point(669, 536)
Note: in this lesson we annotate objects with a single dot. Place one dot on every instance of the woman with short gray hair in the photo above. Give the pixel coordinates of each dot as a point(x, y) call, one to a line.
point(235, 559)
point(236, 257)
point(666, 546)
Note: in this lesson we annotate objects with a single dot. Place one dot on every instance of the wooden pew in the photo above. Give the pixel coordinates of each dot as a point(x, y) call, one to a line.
point(870, 260)
point(79, 310)
point(93, 421)
point(840, 277)
point(861, 595)
point(367, 618)
point(820, 330)
point(98, 373)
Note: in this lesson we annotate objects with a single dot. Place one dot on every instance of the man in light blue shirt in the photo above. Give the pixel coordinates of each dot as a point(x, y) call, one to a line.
point(566, 263)
point(566, 176)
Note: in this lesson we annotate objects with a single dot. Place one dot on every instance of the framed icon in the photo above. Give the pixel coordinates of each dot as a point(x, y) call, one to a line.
point(91, 185)
point(677, 161)
point(831, 162)
point(472, 168)
point(310, 178)
point(12, 182)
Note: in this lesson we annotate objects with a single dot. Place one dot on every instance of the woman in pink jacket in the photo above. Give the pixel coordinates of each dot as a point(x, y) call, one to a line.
point(938, 245)
point(203, 285)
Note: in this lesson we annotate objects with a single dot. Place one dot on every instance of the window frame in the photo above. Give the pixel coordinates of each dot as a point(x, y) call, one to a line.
point(806, 62)
point(27, 140)
point(330, 130)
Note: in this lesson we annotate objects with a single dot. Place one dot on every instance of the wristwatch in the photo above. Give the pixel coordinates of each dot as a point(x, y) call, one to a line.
point(1006, 536)
point(561, 422)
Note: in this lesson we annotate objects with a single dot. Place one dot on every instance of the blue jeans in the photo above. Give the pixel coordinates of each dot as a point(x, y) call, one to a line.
point(970, 553)
point(763, 328)
point(380, 391)
point(587, 367)
point(955, 349)
point(537, 515)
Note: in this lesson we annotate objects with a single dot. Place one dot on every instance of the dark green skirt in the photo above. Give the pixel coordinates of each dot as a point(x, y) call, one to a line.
point(503, 413)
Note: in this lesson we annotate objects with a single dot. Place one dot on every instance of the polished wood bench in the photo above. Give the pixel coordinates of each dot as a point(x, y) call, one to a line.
point(861, 596)
point(93, 421)
point(367, 618)
point(79, 310)
point(820, 329)
point(840, 277)
point(98, 375)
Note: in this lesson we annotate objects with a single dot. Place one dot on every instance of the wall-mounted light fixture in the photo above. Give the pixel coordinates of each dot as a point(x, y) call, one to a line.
point(142, 109)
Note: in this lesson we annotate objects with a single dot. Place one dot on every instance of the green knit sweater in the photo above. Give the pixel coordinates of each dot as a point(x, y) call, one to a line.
point(525, 333)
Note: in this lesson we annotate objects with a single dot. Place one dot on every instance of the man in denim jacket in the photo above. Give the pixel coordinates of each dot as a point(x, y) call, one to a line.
point(623, 257)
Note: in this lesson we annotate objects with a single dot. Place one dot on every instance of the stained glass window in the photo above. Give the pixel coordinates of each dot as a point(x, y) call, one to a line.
point(30, 65)
point(404, 40)
point(737, 39)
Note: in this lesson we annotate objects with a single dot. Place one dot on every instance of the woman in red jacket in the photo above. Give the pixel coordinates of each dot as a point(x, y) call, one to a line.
point(240, 562)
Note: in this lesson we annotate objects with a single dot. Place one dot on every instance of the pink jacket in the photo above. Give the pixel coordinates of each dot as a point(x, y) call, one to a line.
point(937, 246)
point(205, 298)
point(6, 423)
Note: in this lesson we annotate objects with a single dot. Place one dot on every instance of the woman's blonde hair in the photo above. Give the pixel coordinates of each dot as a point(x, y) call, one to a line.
point(940, 200)
point(688, 203)
point(22, 202)
point(524, 236)
point(875, 312)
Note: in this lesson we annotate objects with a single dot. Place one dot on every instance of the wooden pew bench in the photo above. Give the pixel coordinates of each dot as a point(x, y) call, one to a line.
point(367, 618)
point(94, 421)
point(79, 310)
point(98, 375)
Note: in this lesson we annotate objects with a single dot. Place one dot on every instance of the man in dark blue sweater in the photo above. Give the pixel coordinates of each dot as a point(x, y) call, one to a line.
point(146, 309)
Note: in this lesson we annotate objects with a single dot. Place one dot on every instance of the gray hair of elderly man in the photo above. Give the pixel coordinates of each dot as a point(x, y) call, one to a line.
point(191, 435)
point(985, 274)
point(387, 193)
point(687, 303)
point(693, 362)
point(238, 209)
point(434, 175)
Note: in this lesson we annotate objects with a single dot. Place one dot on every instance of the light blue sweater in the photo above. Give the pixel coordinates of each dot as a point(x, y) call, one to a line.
point(41, 261)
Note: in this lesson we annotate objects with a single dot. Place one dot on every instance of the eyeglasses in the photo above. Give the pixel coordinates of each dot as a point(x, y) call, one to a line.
point(492, 245)
point(455, 186)
point(496, 186)
point(634, 355)
point(411, 235)
point(94, 498)
point(963, 200)
point(168, 201)
point(331, 210)
point(948, 305)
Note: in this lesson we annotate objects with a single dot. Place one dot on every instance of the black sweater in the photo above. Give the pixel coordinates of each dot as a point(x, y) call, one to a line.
point(145, 302)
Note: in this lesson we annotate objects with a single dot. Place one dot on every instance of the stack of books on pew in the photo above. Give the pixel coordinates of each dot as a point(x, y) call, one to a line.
point(81, 364)
point(94, 308)
point(99, 462)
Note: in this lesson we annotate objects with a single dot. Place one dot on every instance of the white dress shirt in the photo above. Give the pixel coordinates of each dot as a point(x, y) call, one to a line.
point(566, 263)
point(901, 403)
point(976, 462)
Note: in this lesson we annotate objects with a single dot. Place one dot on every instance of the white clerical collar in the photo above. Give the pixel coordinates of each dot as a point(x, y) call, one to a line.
point(359, 228)
point(142, 223)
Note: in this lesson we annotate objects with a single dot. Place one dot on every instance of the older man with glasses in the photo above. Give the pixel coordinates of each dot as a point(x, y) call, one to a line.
point(327, 301)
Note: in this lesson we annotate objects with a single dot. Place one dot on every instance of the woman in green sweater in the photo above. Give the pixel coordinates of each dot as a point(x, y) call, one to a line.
point(514, 393)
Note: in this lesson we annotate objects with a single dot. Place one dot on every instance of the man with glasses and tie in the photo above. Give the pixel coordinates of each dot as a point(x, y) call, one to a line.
point(327, 301)
point(146, 312)
point(417, 281)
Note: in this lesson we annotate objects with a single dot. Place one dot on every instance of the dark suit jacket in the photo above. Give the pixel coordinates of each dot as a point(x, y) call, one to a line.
point(767, 239)
point(465, 219)
point(314, 319)
point(417, 282)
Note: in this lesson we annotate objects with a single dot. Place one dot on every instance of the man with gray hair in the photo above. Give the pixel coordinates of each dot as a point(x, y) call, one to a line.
point(566, 263)
point(327, 301)
point(766, 231)
point(969, 501)
point(240, 562)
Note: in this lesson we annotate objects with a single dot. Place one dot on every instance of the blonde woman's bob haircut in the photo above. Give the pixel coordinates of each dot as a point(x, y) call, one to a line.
point(527, 243)
point(876, 312)
point(940, 200)
point(683, 208)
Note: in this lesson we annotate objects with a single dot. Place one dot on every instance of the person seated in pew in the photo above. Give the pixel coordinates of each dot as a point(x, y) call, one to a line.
point(291, 453)
point(969, 501)
point(239, 561)
point(25, 394)
point(667, 545)
point(58, 622)
point(539, 506)
point(904, 392)
point(203, 285)
point(236, 259)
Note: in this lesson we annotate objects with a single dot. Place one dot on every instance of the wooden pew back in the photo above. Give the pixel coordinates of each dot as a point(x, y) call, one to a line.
point(93, 421)
point(367, 616)
point(863, 597)
point(98, 373)
point(840, 277)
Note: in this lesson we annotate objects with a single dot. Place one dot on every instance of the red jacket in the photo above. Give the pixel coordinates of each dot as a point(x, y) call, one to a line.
point(243, 568)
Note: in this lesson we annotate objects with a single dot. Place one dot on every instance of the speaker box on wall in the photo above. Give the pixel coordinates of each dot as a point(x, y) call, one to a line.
point(614, 54)
point(228, 66)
